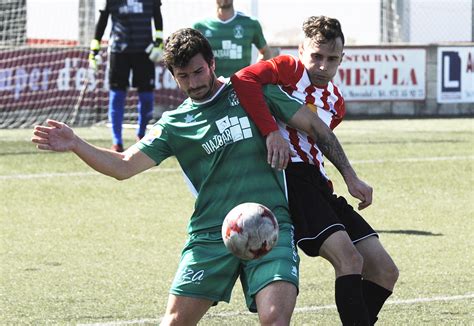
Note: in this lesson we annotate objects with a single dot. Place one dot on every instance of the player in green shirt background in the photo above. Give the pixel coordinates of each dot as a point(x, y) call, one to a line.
point(231, 34)
point(223, 156)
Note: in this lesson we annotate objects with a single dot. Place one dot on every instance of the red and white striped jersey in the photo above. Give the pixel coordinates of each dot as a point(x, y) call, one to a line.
point(289, 72)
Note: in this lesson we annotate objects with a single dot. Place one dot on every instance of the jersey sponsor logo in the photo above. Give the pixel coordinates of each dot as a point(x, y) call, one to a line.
point(231, 130)
point(229, 50)
point(132, 7)
point(238, 31)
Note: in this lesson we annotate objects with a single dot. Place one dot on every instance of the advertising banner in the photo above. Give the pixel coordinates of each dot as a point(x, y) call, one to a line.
point(38, 78)
point(371, 74)
point(455, 75)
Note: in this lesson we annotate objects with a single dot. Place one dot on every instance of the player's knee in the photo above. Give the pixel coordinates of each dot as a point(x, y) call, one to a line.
point(391, 273)
point(174, 319)
point(346, 262)
point(386, 273)
point(352, 263)
point(274, 317)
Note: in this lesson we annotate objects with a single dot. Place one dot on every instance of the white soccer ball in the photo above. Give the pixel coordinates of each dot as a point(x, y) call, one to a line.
point(250, 230)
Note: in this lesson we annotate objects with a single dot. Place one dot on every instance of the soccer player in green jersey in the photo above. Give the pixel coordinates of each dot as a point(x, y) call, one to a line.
point(231, 34)
point(224, 159)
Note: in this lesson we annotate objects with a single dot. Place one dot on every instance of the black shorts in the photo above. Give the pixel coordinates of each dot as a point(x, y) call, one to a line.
point(142, 67)
point(317, 212)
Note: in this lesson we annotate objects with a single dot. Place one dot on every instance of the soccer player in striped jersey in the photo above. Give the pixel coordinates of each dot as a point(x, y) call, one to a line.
point(325, 224)
point(223, 157)
point(231, 34)
point(133, 46)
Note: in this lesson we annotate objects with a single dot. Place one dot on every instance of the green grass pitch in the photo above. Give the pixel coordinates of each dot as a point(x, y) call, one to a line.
point(80, 248)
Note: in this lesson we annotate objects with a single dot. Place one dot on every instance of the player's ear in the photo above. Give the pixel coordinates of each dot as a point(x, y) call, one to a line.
point(212, 65)
point(301, 49)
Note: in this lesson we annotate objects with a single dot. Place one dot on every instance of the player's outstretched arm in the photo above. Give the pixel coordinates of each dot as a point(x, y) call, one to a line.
point(59, 137)
point(327, 142)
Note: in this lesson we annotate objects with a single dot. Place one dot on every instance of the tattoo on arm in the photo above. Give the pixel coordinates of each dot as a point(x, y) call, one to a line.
point(332, 149)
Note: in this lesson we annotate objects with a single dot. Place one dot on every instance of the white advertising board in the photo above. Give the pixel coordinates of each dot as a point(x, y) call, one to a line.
point(371, 74)
point(455, 75)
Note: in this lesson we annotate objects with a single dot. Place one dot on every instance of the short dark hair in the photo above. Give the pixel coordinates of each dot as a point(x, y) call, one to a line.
point(183, 45)
point(322, 29)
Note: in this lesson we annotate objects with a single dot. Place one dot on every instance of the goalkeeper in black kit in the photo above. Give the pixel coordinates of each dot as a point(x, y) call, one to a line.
point(134, 46)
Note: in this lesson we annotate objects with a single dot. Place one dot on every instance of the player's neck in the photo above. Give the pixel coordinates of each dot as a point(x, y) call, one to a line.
point(225, 14)
point(216, 85)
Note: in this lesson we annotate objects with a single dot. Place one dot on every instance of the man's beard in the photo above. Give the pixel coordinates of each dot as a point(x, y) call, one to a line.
point(208, 94)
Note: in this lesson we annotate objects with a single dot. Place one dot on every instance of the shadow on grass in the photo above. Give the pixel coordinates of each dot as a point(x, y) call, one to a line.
point(411, 232)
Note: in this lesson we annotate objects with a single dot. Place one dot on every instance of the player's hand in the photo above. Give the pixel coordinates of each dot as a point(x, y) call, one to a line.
point(278, 150)
point(94, 58)
point(57, 137)
point(155, 49)
point(360, 190)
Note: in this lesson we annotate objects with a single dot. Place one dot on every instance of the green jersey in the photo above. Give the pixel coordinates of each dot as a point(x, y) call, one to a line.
point(231, 41)
point(222, 155)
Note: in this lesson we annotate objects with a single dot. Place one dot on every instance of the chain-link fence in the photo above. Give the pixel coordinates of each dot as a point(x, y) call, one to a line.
point(426, 21)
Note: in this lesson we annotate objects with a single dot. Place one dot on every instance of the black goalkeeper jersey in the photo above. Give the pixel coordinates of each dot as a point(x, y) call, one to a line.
point(131, 24)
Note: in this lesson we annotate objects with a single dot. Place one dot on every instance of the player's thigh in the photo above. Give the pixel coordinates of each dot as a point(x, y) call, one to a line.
point(207, 270)
point(276, 302)
point(119, 71)
point(280, 264)
point(143, 72)
point(313, 217)
point(185, 310)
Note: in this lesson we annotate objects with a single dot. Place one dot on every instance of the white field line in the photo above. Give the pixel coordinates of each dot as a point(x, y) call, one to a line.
point(416, 159)
point(355, 162)
point(297, 310)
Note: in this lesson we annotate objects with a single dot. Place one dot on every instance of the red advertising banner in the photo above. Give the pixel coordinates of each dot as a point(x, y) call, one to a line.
point(40, 78)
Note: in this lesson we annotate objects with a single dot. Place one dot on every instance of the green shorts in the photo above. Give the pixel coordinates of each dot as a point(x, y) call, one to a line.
point(209, 271)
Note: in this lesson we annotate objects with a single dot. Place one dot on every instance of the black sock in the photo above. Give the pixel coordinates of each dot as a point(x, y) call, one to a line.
point(349, 300)
point(374, 297)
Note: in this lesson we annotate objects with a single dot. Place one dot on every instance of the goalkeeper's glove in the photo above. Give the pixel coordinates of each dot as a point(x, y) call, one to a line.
point(155, 49)
point(94, 58)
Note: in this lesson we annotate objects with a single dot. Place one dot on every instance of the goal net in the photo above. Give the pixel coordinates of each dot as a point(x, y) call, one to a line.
point(44, 69)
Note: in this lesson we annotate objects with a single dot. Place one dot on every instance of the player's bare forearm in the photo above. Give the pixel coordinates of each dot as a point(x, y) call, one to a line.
point(102, 160)
point(329, 145)
point(310, 123)
point(59, 137)
point(332, 149)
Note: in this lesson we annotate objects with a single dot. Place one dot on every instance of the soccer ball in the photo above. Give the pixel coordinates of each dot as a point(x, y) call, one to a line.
point(250, 230)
